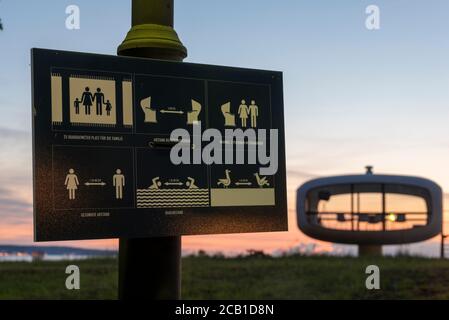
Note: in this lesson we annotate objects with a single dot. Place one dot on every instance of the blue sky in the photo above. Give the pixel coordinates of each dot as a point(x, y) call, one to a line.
point(352, 96)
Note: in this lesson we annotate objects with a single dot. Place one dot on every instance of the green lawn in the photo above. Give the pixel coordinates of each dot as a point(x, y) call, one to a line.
point(243, 278)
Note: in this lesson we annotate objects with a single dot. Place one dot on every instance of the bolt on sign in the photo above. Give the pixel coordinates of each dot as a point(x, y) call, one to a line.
point(132, 147)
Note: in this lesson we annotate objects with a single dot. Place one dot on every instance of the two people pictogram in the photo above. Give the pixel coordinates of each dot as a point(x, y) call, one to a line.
point(88, 99)
point(245, 112)
point(72, 182)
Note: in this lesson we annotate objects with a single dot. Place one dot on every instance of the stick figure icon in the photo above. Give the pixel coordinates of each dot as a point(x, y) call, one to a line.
point(99, 101)
point(243, 113)
point(87, 100)
point(254, 113)
point(71, 183)
point(77, 103)
point(118, 181)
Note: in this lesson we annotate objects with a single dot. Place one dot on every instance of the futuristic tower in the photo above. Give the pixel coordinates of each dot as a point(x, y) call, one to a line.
point(370, 210)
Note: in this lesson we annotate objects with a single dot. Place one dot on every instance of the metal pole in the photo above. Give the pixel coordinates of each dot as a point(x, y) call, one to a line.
point(358, 211)
point(443, 239)
point(442, 246)
point(384, 225)
point(352, 207)
point(150, 268)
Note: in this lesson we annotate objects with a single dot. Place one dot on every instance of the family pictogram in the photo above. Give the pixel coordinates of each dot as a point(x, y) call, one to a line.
point(88, 100)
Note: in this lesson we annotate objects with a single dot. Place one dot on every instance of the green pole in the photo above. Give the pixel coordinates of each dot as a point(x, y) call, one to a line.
point(150, 268)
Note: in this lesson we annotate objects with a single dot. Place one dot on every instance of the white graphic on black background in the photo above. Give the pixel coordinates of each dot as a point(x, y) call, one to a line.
point(244, 112)
point(261, 181)
point(93, 177)
point(229, 118)
point(95, 182)
point(253, 113)
point(237, 105)
point(180, 186)
point(71, 182)
point(241, 185)
point(119, 183)
point(151, 113)
point(91, 100)
point(109, 119)
point(225, 182)
point(161, 109)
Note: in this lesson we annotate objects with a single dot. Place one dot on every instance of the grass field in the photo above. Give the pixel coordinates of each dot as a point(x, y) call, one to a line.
point(293, 277)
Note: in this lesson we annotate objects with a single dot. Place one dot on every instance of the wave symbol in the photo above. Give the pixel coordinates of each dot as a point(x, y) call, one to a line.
point(172, 198)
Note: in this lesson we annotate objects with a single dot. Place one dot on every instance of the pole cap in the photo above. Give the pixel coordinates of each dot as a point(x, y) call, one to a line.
point(159, 40)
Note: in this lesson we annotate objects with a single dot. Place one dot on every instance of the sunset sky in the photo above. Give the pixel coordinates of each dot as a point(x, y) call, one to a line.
point(352, 96)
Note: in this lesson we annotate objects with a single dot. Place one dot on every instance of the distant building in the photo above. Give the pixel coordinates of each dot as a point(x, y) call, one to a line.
point(370, 210)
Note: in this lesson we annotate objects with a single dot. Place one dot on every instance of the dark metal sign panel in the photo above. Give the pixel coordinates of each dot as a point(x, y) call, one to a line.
point(105, 129)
